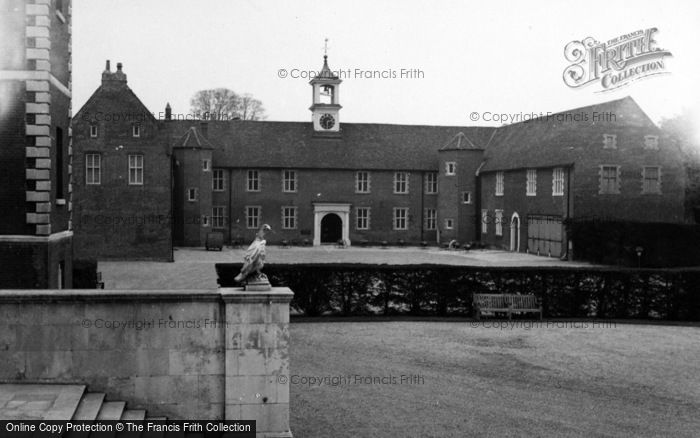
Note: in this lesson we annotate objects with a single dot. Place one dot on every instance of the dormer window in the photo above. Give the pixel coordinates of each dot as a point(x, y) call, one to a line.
point(609, 141)
point(136, 130)
point(93, 131)
point(651, 142)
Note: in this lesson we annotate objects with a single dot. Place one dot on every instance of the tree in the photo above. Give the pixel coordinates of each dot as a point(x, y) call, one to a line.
point(685, 129)
point(225, 104)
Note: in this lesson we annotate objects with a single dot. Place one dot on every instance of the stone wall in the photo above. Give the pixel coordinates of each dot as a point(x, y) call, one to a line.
point(209, 354)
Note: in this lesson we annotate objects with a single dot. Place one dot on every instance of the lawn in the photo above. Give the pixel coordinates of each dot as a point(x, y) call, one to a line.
point(477, 380)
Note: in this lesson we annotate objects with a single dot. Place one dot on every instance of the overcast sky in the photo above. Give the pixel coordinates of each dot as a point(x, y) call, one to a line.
point(474, 56)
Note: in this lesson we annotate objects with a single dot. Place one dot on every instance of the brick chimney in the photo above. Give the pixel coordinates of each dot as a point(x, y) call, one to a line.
point(168, 112)
point(113, 80)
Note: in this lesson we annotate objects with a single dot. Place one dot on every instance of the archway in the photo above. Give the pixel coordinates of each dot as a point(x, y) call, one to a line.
point(515, 233)
point(331, 228)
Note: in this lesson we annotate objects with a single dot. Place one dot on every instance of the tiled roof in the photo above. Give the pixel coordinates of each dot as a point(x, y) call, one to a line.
point(461, 142)
point(563, 138)
point(361, 145)
point(193, 139)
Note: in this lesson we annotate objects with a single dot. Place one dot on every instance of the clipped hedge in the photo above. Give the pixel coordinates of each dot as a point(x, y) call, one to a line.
point(358, 289)
point(615, 243)
point(84, 274)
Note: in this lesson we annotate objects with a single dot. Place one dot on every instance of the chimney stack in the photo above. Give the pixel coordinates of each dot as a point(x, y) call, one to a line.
point(113, 80)
point(168, 112)
point(119, 66)
point(107, 67)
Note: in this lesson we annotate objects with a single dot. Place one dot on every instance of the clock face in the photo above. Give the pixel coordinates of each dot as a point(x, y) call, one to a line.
point(327, 121)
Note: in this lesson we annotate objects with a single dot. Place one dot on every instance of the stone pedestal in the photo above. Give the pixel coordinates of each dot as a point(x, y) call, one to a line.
point(257, 358)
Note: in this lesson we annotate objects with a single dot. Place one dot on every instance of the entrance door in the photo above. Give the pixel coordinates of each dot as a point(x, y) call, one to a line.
point(515, 233)
point(331, 228)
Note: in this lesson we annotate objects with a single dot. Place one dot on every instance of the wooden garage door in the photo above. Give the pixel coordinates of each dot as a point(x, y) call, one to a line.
point(544, 235)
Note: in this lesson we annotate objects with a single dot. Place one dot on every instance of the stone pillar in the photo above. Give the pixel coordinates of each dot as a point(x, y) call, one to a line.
point(257, 358)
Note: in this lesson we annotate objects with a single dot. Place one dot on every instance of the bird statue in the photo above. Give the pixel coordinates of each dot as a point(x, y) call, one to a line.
point(254, 258)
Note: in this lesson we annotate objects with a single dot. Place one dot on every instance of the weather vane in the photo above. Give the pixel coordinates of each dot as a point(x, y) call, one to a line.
point(325, 47)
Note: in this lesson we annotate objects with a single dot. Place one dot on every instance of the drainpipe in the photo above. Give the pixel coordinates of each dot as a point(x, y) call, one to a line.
point(422, 206)
point(230, 206)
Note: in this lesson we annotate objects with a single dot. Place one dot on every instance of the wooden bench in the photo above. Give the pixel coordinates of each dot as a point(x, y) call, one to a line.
point(508, 303)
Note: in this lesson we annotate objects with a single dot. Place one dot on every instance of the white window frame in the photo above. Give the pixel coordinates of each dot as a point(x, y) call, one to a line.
point(605, 189)
point(192, 194)
point(468, 196)
point(362, 218)
point(253, 214)
point(205, 221)
point(656, 190)
point(430, 222)
point(450, 168)
point(400, 219)
point(531, 183)
point(289, 181)
point(289, 217)
point(252, 180)
point(218, 180)
point(401, 183)
point(363, 181)
point(136, 130)
point(500, 182)
point(609, 141)
point(449, 224)
point(651, 142)
point(558, 181)
point(431, 183)
point(136, 169)
point(93, 130)
point(206, 165)
point(498, 219)
point(484, 221)
point(94, 168)
point(218, 220)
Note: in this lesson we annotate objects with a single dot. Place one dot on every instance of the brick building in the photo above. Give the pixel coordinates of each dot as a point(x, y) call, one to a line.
point(327, 181)
point(35, 144)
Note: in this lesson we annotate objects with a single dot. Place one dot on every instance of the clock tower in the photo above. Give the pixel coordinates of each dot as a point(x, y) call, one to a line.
point(325, 107)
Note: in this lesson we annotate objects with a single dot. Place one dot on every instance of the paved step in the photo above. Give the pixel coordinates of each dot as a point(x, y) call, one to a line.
point(134, 415)
point(111, 410)
point(39, 402)
point(89, 406)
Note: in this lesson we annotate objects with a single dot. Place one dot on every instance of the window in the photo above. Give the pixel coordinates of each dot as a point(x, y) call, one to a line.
point(609, 180)
point(136, 130)
point(401, 218)
point(431, 183)
point(362, 182)
point(466, 197)
point(206, 165)
point(651, 142)
point(289, 218)
point(59, 163)
point(253, 181)
point(191, 195)
point(484, 221)
point(289, 181)
point(218, 217)
point(218, 182)
point(450, 168)
point(135, 170)
point(499, 222)
point(430, 219)
point(651, 180)
point(609, 141)
point(205, 221)
point(401, 183)
point(362, 218)
point(558, 182)
point(252, 217)
point(93, 131)
point(93, 172)
point(531, 182)
point(449, 224)
point(499, 183)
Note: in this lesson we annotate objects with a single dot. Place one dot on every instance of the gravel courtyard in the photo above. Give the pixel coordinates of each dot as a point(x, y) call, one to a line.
point(480, 380)
point(194, 267)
